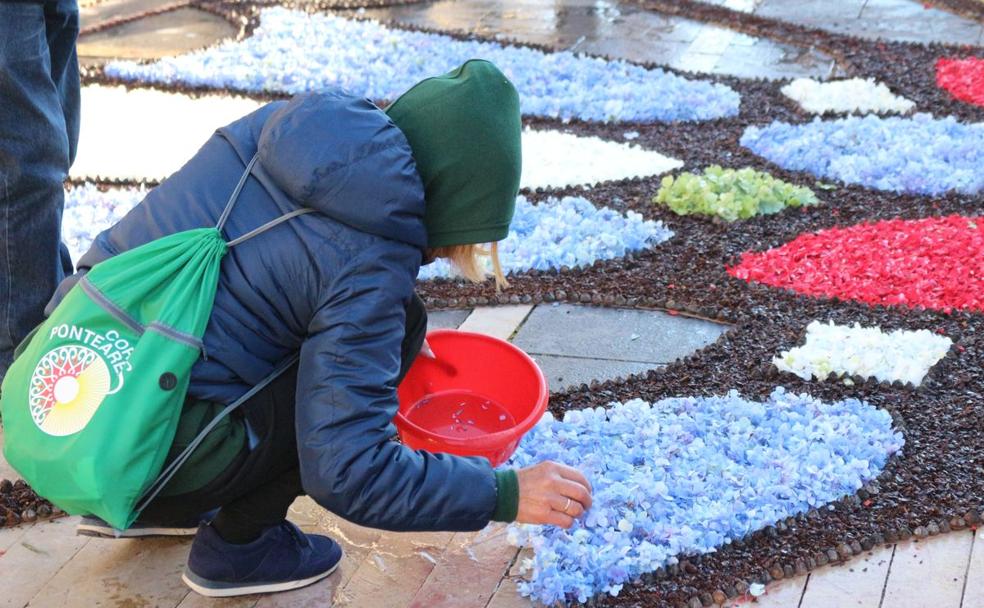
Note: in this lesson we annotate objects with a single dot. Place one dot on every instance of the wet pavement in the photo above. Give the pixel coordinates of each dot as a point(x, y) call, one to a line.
point(896, 20)
point(618, 30)
point(170, 33)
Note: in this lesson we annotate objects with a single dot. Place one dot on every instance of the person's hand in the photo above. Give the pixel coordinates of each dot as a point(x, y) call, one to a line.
point(552, 493)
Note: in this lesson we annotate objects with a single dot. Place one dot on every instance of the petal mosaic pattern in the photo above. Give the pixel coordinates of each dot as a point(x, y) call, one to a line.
point(963, 78)
point(851, 95)
point(934, 263)
point(293, 52)
point(568, 232)
point(869, 352)
point(685, 476)
point(921, 155)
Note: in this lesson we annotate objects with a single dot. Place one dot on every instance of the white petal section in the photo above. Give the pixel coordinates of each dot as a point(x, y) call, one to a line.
point(852, 95)
point(902, 355)
point(147, 134)
point(556, 159)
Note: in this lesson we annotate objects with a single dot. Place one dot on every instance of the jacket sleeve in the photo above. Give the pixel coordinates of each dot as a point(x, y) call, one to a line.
point(346, 401)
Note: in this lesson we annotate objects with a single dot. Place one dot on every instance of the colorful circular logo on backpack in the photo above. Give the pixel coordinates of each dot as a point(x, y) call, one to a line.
point(67, 387)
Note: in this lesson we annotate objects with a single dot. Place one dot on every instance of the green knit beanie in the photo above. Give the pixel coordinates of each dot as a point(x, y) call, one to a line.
point(465, 132)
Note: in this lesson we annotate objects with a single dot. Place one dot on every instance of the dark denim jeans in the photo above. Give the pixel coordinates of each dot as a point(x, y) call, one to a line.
point(39, 131)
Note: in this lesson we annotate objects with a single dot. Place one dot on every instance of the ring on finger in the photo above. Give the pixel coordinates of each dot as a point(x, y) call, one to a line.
point(568, 505)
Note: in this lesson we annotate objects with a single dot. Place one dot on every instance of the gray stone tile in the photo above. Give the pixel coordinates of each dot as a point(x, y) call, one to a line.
point(669, 51)
point(106, 10)
point(797, 11)
point(897, 20)
point(567, 372)
point(172, 33)
point(446, 319)
point(615, 334)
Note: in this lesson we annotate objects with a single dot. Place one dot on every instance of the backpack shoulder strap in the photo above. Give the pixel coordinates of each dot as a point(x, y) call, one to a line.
point(235, 197)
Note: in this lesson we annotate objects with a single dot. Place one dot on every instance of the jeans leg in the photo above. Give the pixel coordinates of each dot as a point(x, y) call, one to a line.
point(34, 160)
point(62, 28)
point(62, 24)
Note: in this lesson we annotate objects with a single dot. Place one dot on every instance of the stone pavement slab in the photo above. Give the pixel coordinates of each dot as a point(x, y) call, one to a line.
point(929, 573)
point(497, 321)
point(618, 334)
point(97, 14)
point(619, 30)
point(395, 569)
point(507, 595)
point(857, 584)
point(897, 20)
point(469, 571)
point(568, 372)
point(171, 33)
point(974, 591)
point(446, 319)
point(193, 600)
point(34, 557)
point(123, 572)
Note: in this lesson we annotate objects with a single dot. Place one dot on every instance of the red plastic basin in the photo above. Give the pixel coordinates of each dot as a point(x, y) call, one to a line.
point(478, 398)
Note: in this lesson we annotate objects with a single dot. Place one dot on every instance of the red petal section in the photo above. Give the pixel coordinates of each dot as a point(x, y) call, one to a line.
point(936, 263)
point(963, 78)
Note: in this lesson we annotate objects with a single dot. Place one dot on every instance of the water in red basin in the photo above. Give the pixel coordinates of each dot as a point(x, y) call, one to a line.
point(460, 414)
point(477, 398)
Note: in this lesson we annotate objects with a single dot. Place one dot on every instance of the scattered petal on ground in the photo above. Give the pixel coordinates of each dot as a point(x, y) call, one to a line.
point(147, 134)
point(902, 355)
point(89, 210)
point(555, 159)
point(566, 232)
point(934, 263)
point(963, 78)
point(851, 95)
point(293, 52)
point(922, 154)
point(688, 475)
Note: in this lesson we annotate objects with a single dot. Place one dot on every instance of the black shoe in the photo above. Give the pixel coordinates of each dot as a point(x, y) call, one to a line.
point(282, 558)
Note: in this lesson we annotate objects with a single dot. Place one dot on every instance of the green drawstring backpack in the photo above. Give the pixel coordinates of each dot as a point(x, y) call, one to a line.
point(91, 403)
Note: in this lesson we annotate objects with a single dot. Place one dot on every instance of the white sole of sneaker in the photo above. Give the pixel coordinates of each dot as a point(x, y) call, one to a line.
point(104, 532)
point(258, 588)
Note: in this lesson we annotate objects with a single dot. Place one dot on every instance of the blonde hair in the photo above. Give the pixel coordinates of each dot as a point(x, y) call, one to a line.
point(467, 260)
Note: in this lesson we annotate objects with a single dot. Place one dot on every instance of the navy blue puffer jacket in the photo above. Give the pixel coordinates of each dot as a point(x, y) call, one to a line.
point(333, 285)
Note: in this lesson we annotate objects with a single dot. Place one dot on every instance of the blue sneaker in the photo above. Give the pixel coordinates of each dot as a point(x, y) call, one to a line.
point(91, 525)
point(282, 558)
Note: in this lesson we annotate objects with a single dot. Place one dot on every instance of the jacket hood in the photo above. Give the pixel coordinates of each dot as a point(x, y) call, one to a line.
point(341, 155)
point(465, 130)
